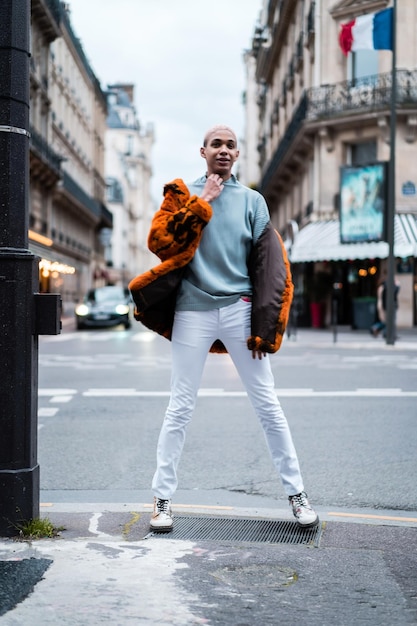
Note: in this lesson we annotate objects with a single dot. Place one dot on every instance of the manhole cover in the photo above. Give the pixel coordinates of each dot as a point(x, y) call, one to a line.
point(195, 528)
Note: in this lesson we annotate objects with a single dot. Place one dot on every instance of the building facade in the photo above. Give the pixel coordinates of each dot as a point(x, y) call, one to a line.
point(67, 177)
point(315, 116)
point(128, 175)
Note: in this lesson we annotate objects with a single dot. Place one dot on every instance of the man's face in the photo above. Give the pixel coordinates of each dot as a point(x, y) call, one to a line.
point(220, 153)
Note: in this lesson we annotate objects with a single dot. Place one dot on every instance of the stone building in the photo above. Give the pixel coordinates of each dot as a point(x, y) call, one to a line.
point(67, 178)
point(128, 175)
point(314, 118)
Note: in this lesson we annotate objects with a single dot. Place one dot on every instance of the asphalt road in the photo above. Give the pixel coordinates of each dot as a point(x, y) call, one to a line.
point(352, 411)
point(102, 395)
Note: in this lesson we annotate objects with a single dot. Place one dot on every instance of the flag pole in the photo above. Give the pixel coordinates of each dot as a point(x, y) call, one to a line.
point(390, 213)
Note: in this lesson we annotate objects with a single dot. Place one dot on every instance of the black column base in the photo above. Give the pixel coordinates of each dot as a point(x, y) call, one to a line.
point(20, 499)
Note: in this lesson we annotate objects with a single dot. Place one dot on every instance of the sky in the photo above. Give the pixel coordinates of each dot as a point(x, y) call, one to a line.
point(185, 59)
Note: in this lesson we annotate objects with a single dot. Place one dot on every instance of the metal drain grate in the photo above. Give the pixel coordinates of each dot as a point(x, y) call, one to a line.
point(252, 530)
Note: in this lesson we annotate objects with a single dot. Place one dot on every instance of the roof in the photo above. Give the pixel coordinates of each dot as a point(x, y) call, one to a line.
point(113, 119)
point(320, 241)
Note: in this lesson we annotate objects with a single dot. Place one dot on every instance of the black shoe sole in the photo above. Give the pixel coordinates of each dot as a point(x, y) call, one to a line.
point(161, 529)
point(312, 525)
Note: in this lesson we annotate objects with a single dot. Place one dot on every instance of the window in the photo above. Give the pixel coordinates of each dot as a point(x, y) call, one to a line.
point(114, 190)
point(363, 153)
point(129, 145)
point(362, 64)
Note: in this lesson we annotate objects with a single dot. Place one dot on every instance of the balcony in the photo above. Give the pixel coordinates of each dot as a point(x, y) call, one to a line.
point(365, 95)
point(267, 56)
point(340, 104)
point(106, 217)
point(97, 211)
point(286, 142)
point(45, 163)
point(48, 15)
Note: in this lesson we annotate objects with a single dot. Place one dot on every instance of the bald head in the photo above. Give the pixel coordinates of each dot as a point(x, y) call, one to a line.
point(220, 151)
point(215, 129)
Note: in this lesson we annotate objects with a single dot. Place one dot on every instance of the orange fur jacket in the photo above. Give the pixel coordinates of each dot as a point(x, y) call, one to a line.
point(174, 236)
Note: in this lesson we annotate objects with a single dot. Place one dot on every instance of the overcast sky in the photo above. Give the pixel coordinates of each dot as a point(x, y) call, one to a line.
point(186, 61)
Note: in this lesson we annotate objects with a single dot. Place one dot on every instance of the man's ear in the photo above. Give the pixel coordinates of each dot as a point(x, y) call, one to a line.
point(203, 152)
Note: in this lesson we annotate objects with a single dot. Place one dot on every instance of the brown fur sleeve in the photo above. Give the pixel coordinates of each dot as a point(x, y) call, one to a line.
point(174, 236)
point(177, 225)
point(272, 292)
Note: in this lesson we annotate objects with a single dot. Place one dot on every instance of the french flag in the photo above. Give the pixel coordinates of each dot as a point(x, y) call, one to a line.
point(367, 32)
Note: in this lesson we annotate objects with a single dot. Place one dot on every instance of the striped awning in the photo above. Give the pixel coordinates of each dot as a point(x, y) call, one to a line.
point(320, 241)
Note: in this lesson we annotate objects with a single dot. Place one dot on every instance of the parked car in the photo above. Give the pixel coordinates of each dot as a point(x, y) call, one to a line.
point(104, 306)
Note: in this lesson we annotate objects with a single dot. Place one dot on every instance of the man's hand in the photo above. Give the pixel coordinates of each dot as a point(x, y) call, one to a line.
point(258, 353)
point(213, 188)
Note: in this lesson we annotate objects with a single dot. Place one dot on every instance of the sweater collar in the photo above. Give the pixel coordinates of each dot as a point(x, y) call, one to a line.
point(232, 179)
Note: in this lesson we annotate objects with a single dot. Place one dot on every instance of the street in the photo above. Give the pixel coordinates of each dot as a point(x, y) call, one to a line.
point(352, 411)
point(102, 396)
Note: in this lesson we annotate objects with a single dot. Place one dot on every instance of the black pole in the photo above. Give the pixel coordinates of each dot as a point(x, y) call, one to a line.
point(335, 309)
point(390, 283)
point(19, 470)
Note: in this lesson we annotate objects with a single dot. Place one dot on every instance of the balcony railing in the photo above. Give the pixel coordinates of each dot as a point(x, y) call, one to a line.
point(55, 8)
point(93, 206)
point(369, 94)
point(45, 151)
point(79, 194)
point(330, 101)
point(292, 129)
point(106, 216)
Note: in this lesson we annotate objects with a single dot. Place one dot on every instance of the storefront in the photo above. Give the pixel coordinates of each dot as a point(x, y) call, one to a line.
point(59, 273)
point(334, 280)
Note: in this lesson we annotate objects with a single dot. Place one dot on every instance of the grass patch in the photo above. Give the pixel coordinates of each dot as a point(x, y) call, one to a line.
point(39, 528)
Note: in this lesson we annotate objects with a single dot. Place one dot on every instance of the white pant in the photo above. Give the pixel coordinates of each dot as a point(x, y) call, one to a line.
point(192, 336)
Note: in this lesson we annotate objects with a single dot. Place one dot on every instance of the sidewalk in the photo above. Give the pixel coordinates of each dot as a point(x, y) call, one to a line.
point(106, 568)
point(341, 336)
point(346, 337)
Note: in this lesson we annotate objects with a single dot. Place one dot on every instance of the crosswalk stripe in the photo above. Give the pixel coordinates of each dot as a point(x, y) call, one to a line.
point(287, 393)
point(57, 392)
point(47, 412)
point(97, 336)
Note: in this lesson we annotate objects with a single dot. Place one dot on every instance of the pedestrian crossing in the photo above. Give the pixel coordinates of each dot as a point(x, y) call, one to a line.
point(103, 361)
point(98, 336)
point(52, 400)
point(63, 396)
point(317, 360)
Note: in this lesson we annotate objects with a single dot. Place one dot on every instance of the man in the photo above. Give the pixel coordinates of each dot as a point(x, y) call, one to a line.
point(224, 269)
point(381, 306)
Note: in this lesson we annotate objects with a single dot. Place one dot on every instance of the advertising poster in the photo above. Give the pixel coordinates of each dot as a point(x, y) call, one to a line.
point(362, 202)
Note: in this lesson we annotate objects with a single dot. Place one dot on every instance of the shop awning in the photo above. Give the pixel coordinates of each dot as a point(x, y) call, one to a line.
point(320, 241)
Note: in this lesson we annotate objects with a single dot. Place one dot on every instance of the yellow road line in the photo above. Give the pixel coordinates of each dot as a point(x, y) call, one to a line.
point(382, 517)
point(390, 518)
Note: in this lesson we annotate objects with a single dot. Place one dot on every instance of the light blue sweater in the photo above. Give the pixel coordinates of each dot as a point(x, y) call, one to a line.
point(218, 274)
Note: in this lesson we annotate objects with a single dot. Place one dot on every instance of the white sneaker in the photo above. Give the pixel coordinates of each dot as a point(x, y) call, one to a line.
point(303, 511)
point(161, 520)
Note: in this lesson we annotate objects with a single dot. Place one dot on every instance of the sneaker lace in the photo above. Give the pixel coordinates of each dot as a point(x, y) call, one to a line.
point(300, 500)
point(162, 506)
